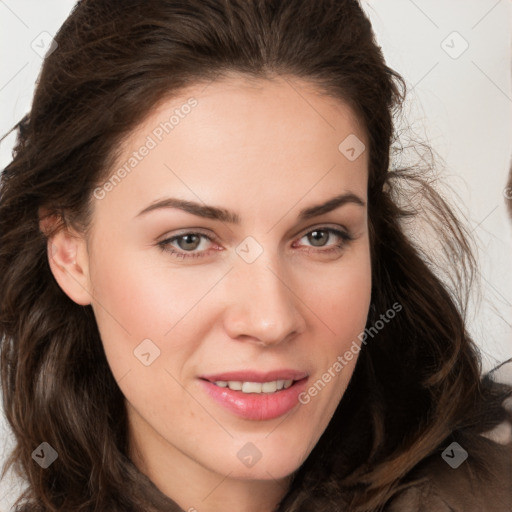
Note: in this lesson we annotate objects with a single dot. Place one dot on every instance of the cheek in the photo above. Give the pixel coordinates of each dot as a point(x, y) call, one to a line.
point(340, 296)
point(136, 301)
point(349, 315)
point(140, 297)
point(341, 302)
point(349, 312)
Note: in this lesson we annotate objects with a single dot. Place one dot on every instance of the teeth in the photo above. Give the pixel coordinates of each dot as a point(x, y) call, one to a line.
point(251, 387)
point(269, 387)
point(255, 387)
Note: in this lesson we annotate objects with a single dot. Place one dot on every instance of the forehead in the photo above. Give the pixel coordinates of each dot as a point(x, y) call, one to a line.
point(248, 111)
point(238, 138)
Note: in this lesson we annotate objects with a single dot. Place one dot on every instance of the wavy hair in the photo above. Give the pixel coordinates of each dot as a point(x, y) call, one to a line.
point(417, 383)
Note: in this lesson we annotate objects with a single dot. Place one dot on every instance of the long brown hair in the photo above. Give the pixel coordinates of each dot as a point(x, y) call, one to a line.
point(417, 383)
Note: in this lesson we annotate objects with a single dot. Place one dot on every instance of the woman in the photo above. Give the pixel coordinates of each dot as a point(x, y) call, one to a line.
point(208, 299)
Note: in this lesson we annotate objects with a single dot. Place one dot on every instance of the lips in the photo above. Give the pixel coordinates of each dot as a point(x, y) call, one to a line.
point(255, 395)
point(254, 376)
point(255, 387)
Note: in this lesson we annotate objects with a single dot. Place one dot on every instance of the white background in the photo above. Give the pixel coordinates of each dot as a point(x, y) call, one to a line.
point(461, 106)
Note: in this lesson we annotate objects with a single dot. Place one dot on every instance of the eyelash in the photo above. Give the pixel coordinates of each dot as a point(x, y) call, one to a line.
point(165, 245)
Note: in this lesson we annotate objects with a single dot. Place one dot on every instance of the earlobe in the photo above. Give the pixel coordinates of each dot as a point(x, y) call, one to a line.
point(68, 259)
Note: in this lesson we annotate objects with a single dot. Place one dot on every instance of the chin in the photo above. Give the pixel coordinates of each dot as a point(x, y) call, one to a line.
point(275, 463)
point(263, 471)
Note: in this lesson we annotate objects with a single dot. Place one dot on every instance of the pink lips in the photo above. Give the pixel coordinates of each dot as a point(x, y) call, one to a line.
point(256, 406)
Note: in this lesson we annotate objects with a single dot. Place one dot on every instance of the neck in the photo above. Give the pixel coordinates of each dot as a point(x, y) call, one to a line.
point(196, 488)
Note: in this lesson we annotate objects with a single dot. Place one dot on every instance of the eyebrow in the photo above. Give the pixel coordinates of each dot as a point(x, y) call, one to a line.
point(223, 215)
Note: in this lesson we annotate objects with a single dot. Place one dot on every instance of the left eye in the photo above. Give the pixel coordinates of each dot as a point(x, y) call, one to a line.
point(188, 243)
point(318, 236)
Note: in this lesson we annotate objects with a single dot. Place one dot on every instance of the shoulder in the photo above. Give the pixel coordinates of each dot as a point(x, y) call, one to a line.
point(444, 483)
point(442, 488)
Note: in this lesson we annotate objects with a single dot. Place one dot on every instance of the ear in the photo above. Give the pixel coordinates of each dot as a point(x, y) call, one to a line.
point(68, 259)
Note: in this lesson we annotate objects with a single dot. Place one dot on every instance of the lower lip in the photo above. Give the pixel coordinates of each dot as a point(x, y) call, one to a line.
point(257, 406)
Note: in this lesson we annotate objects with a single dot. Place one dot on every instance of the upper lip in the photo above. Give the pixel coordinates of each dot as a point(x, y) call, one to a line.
point(256, 376)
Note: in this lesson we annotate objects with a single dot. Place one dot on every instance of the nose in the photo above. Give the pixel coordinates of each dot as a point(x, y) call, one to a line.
point(263, 306)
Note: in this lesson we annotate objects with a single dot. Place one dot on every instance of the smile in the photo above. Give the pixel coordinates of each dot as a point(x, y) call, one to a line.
point(254, 395)
point(255, 387)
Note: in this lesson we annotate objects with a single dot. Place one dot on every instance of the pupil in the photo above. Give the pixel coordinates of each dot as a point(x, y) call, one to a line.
point(318, 236)
point(191, 242)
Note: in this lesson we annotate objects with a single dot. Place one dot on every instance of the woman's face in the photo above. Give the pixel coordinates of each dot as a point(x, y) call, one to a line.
point(268, 285)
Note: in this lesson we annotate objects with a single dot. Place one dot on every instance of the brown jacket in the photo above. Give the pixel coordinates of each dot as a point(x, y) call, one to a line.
point(458, 490)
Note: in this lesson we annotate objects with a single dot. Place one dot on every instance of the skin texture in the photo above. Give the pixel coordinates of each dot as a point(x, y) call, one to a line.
point(265, 150)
